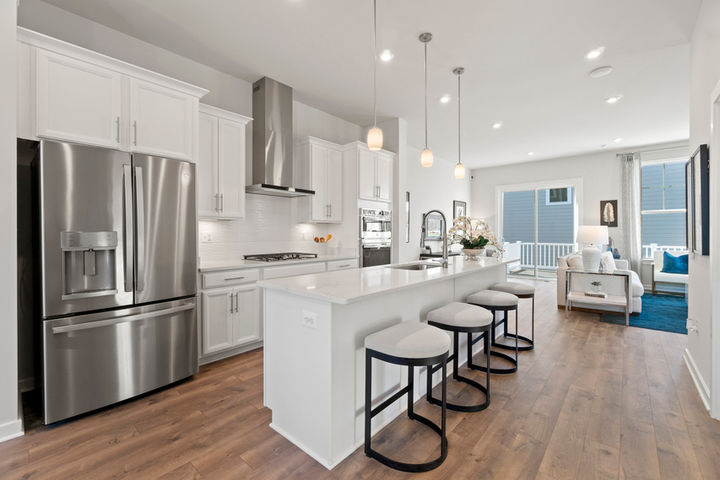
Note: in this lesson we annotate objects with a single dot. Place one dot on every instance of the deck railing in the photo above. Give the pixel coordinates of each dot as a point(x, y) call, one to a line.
point(648, 251)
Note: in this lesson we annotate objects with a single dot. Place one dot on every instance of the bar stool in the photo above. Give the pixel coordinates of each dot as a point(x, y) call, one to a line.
point(498, 302)
point(412, 344)
point(460, 318)
point(520, 290)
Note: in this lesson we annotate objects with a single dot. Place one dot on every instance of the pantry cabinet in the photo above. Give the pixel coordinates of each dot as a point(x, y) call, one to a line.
point(221, 163)
point(320, 168)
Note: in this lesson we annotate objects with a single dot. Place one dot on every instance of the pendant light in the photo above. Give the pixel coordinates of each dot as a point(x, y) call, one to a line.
point(426, 157)
point(375, 135)
point(459, 167)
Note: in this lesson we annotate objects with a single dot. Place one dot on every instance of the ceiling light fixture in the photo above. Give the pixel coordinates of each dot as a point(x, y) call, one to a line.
point(375, 135)
point(426, 157)
point(445, 98)
point(595, 53)
point(459, 167)
point(601, 71)
point(497, 125)
point(613, 100)
point(618, 140)
point(530, 154)
point(386, 55)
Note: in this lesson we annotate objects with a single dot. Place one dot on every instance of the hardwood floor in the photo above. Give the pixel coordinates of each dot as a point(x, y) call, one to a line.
point(592, 401)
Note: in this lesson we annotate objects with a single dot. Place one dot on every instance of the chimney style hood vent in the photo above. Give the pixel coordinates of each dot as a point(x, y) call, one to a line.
point(272, 165)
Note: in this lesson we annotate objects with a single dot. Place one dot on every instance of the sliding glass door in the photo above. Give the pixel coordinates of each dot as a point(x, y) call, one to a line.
point(539, 226)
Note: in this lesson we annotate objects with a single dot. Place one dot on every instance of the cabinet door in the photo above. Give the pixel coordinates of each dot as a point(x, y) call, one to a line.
point(217, 320)
point(384, 176)
point(231, 153)
point(366, 175)
point(246, 321)
point(161, 120)
point(319, 210)
point(207, 166)
point(78, 101)
point(334, 174)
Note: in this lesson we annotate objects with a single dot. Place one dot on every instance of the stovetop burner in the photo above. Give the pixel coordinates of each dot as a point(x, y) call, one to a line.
point(277, 257)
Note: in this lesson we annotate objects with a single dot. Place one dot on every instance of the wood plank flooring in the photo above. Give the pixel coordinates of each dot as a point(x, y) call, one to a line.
point(592, 401)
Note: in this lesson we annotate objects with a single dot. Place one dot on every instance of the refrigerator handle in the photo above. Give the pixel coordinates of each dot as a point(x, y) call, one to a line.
point(128, 239)
point(123, 319)
point(140, 222)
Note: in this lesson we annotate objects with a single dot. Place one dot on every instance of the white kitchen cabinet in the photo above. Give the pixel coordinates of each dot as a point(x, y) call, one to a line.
point(221, 163)
point(217, 320)
point(375, 173)
point(78, 101)
point(320, 168)
point(246, 319)
point(342, 264)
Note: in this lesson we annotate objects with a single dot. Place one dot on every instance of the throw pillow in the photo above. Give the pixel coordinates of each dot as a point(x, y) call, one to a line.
point(673, 264)
point(575, 262)
point(607, 262)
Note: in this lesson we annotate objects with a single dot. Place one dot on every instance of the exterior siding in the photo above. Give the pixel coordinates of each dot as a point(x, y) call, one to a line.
point(668, 181)
point(555, 221)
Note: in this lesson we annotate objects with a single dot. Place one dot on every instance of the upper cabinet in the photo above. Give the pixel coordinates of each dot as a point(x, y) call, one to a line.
point(221, 163)
point(319, 167)
point(73, 94)
point(375, 172)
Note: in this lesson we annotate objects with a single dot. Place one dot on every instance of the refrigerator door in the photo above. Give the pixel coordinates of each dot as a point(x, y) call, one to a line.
point(86, 228)
point(94, 360)
point(166, 247)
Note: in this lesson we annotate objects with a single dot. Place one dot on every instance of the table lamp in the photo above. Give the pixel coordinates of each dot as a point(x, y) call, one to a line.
point(593, 237)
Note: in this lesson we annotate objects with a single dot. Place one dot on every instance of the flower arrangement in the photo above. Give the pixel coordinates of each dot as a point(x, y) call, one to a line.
point(473, 233)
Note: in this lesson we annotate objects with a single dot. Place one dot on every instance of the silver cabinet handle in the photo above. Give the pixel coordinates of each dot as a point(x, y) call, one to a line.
point(232, 299)
point(128, 230)
point(222, 202)
point(234, 278)
point(330, 207)
point(237, 302)
point(117, 129)
point(140, 221)
point(344, 266)
point(124, 319)
point(134, 132)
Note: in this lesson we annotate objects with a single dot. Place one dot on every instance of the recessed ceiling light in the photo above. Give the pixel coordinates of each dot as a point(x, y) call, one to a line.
point(595, 53)
point(445, 98)
point(497, 125)
point(531, 154)
point(601, 71)
point(613, 100)
point(386, 55)
point(617, 140)
point(604, 145)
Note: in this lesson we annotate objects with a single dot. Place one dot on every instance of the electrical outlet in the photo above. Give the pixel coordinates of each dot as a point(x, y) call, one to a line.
point(309, 319)
point(691, 325)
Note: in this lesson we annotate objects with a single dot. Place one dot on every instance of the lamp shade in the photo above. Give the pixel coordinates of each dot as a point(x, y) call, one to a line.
point(426, 158)
point(592, 234)
point(375, 139)
point(459, 171)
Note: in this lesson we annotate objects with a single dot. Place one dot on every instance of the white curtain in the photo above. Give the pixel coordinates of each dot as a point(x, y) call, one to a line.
point(631, 207)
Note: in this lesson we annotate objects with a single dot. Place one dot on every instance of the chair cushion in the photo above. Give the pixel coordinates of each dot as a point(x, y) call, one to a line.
point(575, 261)
point(516, 288)
point(493, 298)
point(457, 314)
point(673, 264)
point(671, 277)
point(410, 340)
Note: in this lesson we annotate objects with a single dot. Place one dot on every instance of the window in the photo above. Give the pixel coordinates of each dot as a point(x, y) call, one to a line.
point(557, 196)
point(663, 204)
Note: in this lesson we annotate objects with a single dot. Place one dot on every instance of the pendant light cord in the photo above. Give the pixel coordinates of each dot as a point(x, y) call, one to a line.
point(459, 161)
point(426, 100)
point(374, 63)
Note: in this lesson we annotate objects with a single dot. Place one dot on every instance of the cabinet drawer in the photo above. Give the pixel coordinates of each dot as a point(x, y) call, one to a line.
point(292, 270)
point(342, 264)
point(226, 278)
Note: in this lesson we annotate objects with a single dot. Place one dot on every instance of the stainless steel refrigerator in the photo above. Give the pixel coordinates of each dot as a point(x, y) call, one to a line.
point(117, 275)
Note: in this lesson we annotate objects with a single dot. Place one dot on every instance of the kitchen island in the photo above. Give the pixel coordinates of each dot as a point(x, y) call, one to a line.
point(315, 327)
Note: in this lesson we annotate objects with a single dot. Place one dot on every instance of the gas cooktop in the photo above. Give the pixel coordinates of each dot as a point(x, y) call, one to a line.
point(277, 257)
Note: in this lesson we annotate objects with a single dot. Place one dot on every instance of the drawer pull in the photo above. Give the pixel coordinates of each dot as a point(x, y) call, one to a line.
point(234, 278)
point(344, 266)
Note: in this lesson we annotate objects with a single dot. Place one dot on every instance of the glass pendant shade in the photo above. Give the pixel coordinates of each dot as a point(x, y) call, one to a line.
point(375, 139)
point(459, 171)
point(426, 158)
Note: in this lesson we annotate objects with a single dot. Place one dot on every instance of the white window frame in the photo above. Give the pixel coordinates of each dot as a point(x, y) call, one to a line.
point(566, 202)
point(662, 162)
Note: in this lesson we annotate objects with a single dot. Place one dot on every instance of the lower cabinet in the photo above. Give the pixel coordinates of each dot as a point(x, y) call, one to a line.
point(230, 318)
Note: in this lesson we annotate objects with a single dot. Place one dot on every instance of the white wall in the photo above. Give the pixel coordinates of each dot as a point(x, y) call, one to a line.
point(705, 74)
point(430, 188)
point(10, 423)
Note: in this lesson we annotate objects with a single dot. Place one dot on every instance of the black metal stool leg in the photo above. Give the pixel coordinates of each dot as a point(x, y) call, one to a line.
point(368, 400)
point(493, 343)
point(529, 341)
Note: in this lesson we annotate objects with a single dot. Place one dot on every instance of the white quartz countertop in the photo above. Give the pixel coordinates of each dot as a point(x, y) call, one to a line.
point(239, 264)
point(348, 286)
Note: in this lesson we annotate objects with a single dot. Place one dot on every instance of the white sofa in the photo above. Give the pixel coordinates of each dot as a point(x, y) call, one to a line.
point(611, 285)
point(658, 276)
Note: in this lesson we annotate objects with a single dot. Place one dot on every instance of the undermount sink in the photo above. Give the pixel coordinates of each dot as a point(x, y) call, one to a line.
point(415, 266)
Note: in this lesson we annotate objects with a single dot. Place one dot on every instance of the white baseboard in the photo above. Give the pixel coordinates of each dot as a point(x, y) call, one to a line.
point(11, 429)
point(700, 384)
point(214, 357)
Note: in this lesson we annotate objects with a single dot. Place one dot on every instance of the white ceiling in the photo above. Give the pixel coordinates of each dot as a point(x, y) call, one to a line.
point(524, 63)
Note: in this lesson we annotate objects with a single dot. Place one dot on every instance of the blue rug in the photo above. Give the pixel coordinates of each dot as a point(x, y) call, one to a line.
point(659, 312)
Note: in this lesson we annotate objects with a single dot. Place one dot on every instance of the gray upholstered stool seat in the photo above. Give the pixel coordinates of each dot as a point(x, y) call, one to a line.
point(410, 344)
point(463, 315)
point(496, 301)
point(520, 290)
point(409, 340)
point(459, 318)
point(493, 298)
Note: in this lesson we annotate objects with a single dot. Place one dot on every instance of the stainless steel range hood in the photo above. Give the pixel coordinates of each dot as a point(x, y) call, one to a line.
point(272, 167)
